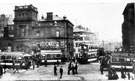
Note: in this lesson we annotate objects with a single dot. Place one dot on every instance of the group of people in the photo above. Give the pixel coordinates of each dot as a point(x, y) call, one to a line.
point(112, 74)
point(72, 66)
point(125, 72)
point(60, 71)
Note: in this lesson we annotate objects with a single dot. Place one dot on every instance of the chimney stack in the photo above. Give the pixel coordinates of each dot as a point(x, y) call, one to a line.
point(49, 16)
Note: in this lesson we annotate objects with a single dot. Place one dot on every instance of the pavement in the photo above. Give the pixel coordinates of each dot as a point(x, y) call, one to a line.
point(87, 72)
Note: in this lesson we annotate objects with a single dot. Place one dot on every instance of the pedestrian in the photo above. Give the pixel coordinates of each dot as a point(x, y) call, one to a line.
point(57, 62)
point(33, 64)
point(73, 68)
point(55, 70)
point(76, 67)
point(45, 63)
point(125, 69)
point(61, 72)
point(109, 74)
point(128, 76)
point(101, 69)
point(113, 70)
point(1, 70)
point(122, 73)
point(69, 68)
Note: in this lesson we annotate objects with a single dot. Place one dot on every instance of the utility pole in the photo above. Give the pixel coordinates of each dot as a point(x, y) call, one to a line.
point(103, 43)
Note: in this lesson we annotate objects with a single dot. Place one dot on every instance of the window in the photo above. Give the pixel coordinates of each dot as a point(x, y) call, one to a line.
point(37, 33)
point(19, 15)
point(80, 38)
point(57, 33)
point(77, 44)
point(22, 32)
point(23, 15)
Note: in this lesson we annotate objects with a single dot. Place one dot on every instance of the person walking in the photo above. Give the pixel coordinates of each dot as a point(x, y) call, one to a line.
point(122, 73)
point(55, 70)
point(125, 69)
point(73, 68)
point(69, 68)
point(45, 62)
point(101, 69)
point(57, 62)
point(76, 67)
point(128, 74)
point(61, 72)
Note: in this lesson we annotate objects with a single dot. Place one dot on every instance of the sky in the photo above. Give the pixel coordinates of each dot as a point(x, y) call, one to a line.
point(103, 17)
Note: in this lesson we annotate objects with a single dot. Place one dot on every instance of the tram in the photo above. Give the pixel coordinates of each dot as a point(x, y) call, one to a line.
point(51, 56)
point(12, 60)
point(87, 54)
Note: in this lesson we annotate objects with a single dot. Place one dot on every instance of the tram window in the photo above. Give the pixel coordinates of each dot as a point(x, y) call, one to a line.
point(8, 57)
point(3, 57)
point(114, 59)
point(14, 58)
point(48, 56)
point(89, 56)
point(52, 56)
point(121, 59)
point(19, 57)
point(58, 55)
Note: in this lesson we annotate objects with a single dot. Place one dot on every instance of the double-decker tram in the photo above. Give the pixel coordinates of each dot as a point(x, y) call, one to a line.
point(51, 56)
point(12, 60)
point(87, 54)
point(92, 54)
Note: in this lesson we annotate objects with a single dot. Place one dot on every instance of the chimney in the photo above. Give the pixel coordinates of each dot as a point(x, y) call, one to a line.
point(64, 17)
point(49, 16)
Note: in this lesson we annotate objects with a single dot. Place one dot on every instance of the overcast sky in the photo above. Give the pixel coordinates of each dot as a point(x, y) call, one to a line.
point(101, 16)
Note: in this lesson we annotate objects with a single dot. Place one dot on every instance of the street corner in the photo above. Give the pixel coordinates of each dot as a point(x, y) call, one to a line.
point(7, 77)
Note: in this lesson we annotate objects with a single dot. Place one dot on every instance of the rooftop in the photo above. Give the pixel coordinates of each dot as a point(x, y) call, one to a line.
point(26, 7)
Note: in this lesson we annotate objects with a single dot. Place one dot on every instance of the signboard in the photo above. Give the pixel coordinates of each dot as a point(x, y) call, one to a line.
point(43, 44)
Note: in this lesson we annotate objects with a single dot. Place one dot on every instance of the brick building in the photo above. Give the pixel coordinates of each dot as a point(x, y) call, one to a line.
point(128, 28)
point(52, 32)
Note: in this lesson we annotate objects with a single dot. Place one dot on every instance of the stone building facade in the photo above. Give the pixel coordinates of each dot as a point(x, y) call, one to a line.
point(128, 28)
point(52, 32)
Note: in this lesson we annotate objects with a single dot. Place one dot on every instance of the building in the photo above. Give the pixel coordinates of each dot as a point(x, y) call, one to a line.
point(52, 32)
point(84, 36)
point(128, 28)
point(6, 33)
point(25, 19)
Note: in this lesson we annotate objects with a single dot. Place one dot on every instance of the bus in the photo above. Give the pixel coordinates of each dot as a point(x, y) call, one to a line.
point(51, 56)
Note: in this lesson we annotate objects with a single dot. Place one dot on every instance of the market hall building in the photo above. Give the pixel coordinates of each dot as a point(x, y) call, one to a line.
point(52, 32)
